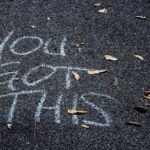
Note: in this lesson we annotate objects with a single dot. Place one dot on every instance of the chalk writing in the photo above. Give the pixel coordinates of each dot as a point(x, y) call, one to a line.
point(54, 69)
point(57, 107)
point(4, 42)
point(99, 110)
point(62, 48)
point(13, 77)
point(14, 92)
point(14, 51)
point(15, 96)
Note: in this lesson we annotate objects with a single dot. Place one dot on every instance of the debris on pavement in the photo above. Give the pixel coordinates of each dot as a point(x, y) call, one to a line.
point(102, 11)
point(85, 126)
point(140, 17)
point(147, 95)
point(76, 75)
point(33, 26)
point(139, 57)
point(78, 46)
point(134, 123)
point(94, 72)
point(111, 58)
point(97, 4)
point(147, 104)
point(76, 112)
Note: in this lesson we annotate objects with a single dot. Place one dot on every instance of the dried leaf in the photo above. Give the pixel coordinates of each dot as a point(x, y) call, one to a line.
point(76, 75)
point(97, 4)
point(77, 45)
point(147, 95)
point(139, 57)
point(32, 26)
point(76, 112)
point(140, 109)
point(141, 17)
point(85, 126)
point(111, 58)
point(148, 105)
point(94, 72)
point(115, 82)
point(134, 123)
point(102, 11)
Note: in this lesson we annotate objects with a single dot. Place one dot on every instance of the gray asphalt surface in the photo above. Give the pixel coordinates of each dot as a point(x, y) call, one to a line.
point(117, 33)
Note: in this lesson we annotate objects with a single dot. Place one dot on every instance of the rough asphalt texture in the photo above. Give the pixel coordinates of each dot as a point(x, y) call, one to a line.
point(117, 33)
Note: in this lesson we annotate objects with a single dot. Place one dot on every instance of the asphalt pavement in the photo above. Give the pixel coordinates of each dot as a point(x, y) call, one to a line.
point(46, 46)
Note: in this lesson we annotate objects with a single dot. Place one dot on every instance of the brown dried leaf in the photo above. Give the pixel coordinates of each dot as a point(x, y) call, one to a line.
point(85, 126)
point(111, 58)
point(76, 75)
point(94, 72)
point(139, 57)
point(147, 95)
point(134, 123)
point(76, 112)
point(141, 17)
point(103, 11)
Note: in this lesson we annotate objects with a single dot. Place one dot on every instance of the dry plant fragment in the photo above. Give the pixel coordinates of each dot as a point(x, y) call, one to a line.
point(148, 105)
point(32, 26)
point(147, 95)
point(94, 72)
point(85, 126)
point(102, 11)
point(77, 45)
point(139, 57)
point(134, 123)
point(76, 112)
point(97, 4)
point(141, 17)
point(76, 75)
point(111, 58)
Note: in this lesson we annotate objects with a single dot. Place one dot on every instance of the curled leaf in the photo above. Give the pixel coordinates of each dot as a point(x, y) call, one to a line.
point(139, 57)
point(102, 11)
point(111, 58)
point(85, 126)
point(76, 112)
point(76, 75)
point(94, 72)
point(141, 17)
point(147, 95)
point(134, 123)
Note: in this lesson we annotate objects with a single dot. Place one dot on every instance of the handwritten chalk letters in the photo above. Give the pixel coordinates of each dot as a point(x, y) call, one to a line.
point(13, 75)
